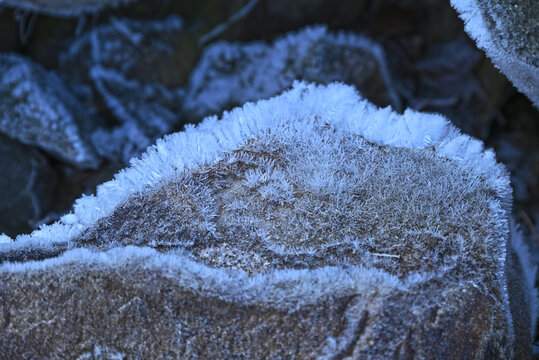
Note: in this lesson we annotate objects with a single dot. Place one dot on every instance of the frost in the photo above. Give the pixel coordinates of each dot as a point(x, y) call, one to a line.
point(71, 8)
point(229, 74)
point(293, 203)
point(4, 239)
point(330, 281)
point(37, 109)
point(335, 104)
point(507, 32)
point(114, 60)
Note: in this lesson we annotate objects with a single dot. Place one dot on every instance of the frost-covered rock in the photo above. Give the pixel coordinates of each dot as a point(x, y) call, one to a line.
point(508, 31)
point(37, 109)
point(66, 8)
point(310, 225)
point(27, 185)
point(229, 74)
point(136, 68)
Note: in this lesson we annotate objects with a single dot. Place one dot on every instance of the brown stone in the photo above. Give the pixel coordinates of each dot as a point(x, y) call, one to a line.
point(304, 239)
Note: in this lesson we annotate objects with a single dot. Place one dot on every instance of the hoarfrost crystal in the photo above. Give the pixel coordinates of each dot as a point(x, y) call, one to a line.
point(341, 228)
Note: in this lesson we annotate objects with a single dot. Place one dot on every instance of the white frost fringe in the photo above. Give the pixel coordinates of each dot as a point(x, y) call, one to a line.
point(336, 104)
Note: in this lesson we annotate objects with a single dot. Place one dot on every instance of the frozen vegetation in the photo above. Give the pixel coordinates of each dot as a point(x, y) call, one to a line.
point(290, 215)
point(110, 63)
point(112, 59)
point(37, 108)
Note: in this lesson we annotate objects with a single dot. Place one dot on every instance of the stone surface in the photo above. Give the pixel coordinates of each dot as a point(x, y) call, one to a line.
point(229, 74)
point(67, 8)
point(508, 32)
point(36, 108)
point(136, 68)
point(311, 225)
point(27, 187)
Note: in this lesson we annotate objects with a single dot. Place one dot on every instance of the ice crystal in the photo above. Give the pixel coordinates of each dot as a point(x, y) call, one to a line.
point(305, 211)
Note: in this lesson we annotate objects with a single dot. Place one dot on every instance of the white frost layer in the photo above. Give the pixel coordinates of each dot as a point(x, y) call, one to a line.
point(4, 239)
point(523, 75)
point(337, 105)
point(287, 289)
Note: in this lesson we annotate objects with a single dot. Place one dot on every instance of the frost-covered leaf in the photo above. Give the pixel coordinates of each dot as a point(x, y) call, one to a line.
point(508, 33)
point(229, 74)
point(144, 50)
point(67, 8)
point(36, 108)
point(146, 111)
point(129, 63)
point(347, 228)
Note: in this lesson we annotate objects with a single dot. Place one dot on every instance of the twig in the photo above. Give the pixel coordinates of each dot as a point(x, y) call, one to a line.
point(216, 31)
point(27, 20)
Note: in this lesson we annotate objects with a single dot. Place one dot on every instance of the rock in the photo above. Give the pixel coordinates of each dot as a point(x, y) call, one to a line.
point(508, 33)
point(310, 225)
point(28, 186)
point(229, 74)
point(37, 109)
point(71, 8)
point(137, 68)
